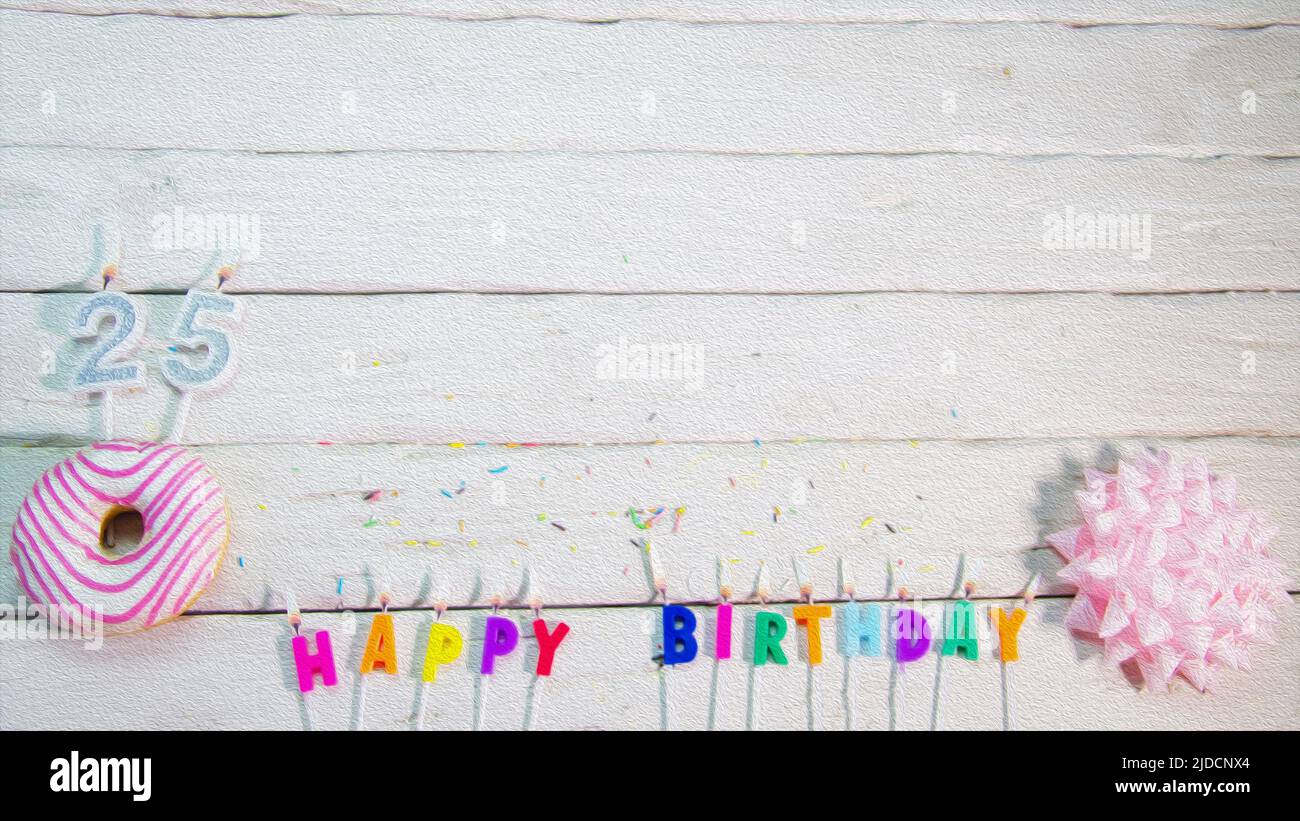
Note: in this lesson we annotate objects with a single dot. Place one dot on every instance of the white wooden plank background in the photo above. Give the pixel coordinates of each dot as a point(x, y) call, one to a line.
point(381, 83)
point(1079, 12)
point(404, 222)
point(866, 502)
point(604, 678)
point(450, 368)
point(419, 152)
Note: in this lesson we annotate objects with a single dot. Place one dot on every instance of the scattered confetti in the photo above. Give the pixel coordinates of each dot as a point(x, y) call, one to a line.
point(449, 494)
point(646, 524)
point(501, 469)
point(374, 495)
point(866, 522)
point(241, 561)
point(340, 587)
point(261, 506)
point(560, 526)
point(371, 522)
point(813, 551)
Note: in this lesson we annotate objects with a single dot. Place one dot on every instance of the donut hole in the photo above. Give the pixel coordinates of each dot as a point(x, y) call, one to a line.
point(121, 531)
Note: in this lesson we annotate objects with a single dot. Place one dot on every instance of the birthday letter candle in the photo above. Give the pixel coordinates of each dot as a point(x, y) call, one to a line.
point(911, 636)
point(500, 635)
point(547, 643)
point(381, 647)
point(861, 629)
point(960, 633)
point(309, 663)
point(1008, 627)
point(445, 644)
point(810, 616)
point(769, 629)
point(680, 645)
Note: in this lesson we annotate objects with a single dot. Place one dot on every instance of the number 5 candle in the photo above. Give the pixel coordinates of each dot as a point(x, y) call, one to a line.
point(205, 318)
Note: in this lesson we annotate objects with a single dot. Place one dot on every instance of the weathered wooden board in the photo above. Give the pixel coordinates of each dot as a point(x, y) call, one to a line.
point(311, 83)
point(227, 672)
point(555, 522)
point(394, 146)
point(404, 222)
point(1080, 12)
point(566, 369)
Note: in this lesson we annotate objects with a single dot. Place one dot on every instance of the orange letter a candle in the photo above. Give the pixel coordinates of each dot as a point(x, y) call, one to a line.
point(381, 647)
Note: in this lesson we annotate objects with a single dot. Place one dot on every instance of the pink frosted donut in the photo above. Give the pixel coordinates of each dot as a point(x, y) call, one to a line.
point(57, 538)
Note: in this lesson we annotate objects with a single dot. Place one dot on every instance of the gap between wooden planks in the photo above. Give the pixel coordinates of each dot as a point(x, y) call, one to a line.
point(554, 523)
point(1072, 12)
point(385, 83)
point(236, 672)
point(500, 222)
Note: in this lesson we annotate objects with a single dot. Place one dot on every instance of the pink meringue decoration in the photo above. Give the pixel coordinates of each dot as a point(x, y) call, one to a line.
point(1172, 576)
